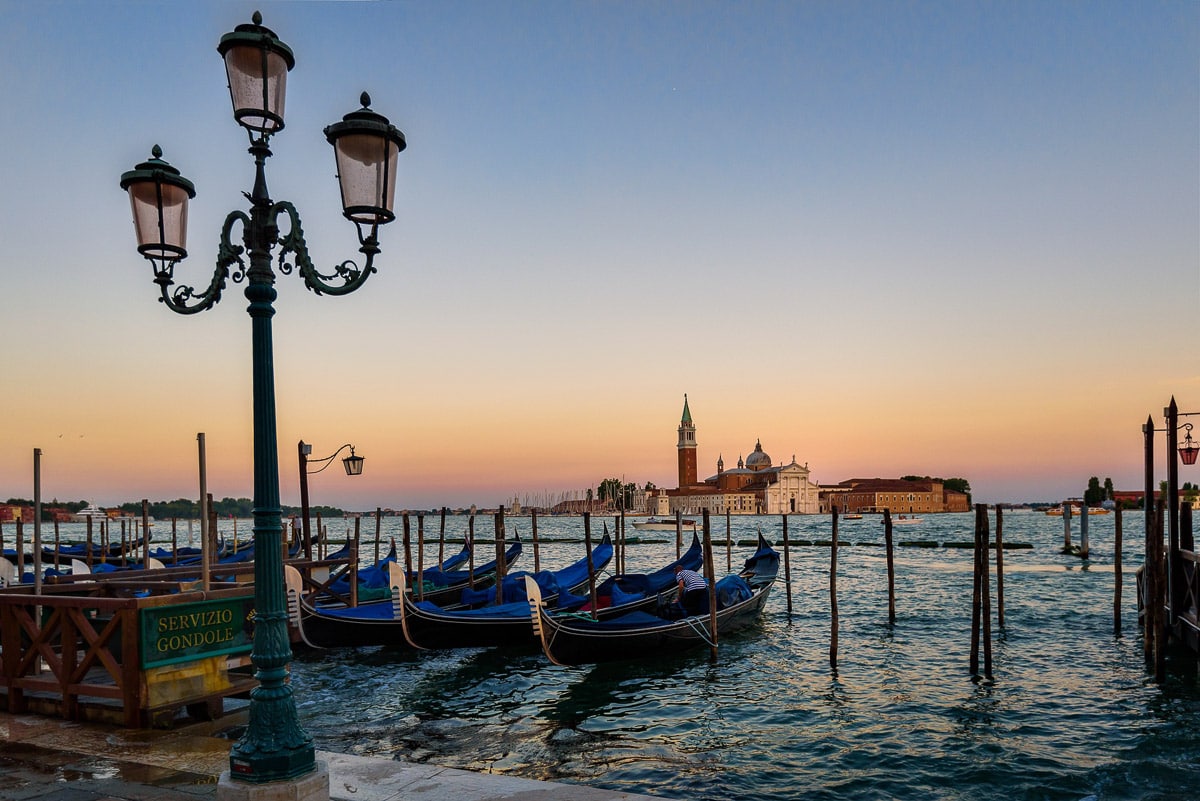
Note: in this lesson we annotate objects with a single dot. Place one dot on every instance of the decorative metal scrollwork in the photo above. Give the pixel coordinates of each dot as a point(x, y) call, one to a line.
point(349, 274)
point(184, 299)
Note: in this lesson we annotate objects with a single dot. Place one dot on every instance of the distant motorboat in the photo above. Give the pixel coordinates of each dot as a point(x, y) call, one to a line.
point(1056, 511)
point(904, 520)
point(852, 516)
point(90, 512)
point(654, 524)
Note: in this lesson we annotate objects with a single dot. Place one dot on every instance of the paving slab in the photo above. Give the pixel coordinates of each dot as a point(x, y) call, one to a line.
point(58, 760)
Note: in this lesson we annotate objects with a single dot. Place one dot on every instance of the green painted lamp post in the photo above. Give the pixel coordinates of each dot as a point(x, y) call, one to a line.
point(366, 148)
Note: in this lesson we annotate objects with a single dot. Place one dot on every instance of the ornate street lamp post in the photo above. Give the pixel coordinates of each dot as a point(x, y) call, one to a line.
point(366, 149)
point(353, 465)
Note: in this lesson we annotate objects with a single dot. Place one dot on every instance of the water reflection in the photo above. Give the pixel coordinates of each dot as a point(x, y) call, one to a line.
point(1071, 713)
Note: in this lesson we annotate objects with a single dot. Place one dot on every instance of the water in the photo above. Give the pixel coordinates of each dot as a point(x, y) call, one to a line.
point(1071, 713)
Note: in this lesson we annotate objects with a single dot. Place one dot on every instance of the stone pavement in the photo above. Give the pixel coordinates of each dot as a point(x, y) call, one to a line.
point(57, 760)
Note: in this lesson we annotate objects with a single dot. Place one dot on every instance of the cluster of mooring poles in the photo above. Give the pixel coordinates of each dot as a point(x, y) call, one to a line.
point(1169, 579)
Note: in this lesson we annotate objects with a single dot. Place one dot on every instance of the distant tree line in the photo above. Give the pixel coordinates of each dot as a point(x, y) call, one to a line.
point(182, 508)
point(1095, 495)
point(954, 484)
point(620, 494)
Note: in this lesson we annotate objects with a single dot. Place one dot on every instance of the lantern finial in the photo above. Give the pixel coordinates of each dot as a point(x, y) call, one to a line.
point(365, 99)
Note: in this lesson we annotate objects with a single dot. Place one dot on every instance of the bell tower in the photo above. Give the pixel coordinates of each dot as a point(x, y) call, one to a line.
point(687, 448)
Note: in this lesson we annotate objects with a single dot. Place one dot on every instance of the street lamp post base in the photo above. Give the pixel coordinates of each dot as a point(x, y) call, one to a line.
point(312, 786)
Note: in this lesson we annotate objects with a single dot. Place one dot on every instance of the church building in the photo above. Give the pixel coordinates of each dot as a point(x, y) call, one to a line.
point(754, 487)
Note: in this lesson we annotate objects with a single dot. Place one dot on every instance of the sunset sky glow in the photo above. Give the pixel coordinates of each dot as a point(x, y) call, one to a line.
point(958, 239)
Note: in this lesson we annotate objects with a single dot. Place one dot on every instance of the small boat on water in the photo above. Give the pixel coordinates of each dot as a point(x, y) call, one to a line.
point(572, 640)
point(381, 622)
point(852, 516)
point(1056, 511)
point(507, 624)
point(665, 524)
point(905, 520)
point(81, 550)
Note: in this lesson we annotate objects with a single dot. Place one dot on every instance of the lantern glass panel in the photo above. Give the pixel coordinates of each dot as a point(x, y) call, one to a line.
point(257, 85)
point(170, 240)
point(366, 165)
point(354, 465)
point(1188, 455)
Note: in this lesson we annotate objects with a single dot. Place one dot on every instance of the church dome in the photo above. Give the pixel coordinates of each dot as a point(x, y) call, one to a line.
point(758, 460)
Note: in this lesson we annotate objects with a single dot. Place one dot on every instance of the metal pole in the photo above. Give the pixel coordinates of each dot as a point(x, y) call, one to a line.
point(274, 746)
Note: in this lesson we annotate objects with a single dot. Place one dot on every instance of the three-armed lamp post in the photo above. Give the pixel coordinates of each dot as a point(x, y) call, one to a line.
point(353, 465)
point(366, 149)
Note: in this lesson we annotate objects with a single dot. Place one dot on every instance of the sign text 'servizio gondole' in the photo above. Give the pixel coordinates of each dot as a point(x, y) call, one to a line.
point(188, 631)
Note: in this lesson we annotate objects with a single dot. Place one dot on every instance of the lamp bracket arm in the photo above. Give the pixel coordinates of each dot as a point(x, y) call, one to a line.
point(346, 276)
point(328, 460)
point(185, 299)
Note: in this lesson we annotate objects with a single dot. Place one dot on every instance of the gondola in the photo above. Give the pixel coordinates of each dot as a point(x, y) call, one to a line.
point(79, 550)
point(573, 640)
point(445, 587)
point(374, 623)
point(507, 624)
point(373, 580)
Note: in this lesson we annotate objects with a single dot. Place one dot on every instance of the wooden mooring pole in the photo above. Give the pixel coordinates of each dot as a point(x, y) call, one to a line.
point(420, 580)
point(378, 530)
point(975, 600)
point(1118, 577)
point(833, 606)
point(537, 558)
point(787, 565)
point(353, 564)
point(728, 543)
point(1083, 532)
point(1066, 516)
point(891, 565)
point(442, 538)
point(406, 543)
point(981, 601)
point(500, 566)
point(1159, 599)
point(711, 578)
point(145, 533)
point(591, 566)
point(678, 533)
point(985, 584)
point(999, 566)
point(471, 551)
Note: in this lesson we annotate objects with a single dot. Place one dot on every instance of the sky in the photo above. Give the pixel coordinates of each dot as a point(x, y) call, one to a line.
point(957, 239)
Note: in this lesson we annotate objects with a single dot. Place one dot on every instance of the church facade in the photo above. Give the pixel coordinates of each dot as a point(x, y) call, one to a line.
point(756, 486)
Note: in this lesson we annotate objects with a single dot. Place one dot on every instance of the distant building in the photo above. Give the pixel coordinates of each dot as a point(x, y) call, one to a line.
point(755, 486)
point(893, 494)
point(11, 513)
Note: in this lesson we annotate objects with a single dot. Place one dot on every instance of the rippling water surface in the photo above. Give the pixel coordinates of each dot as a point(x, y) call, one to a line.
point(1071, 714)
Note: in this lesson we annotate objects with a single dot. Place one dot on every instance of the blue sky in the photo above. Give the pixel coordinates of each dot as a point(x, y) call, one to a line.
point(944, 238)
